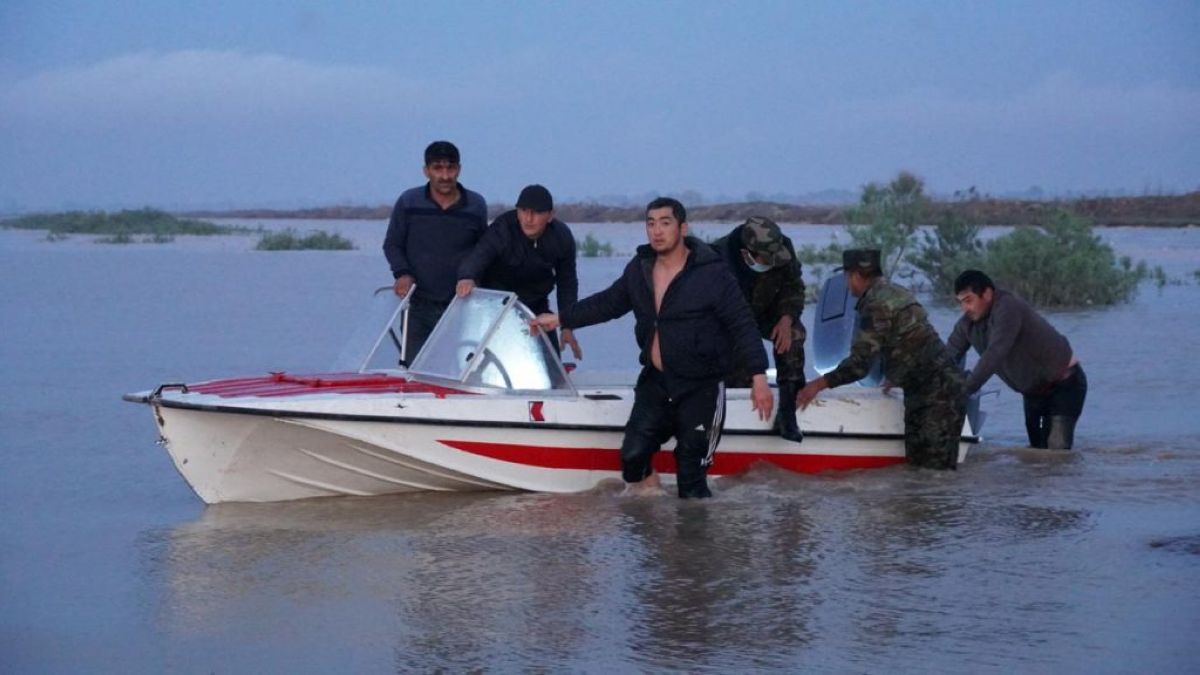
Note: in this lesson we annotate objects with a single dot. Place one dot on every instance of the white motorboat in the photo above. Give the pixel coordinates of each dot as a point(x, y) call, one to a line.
point(486, 405)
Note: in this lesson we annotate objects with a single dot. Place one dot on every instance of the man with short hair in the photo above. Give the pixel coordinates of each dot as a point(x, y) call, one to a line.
point(764, 263)
point(690, 321)
point(1029, 355)
point(432, 228)
point(529, 252)
point(895, 327)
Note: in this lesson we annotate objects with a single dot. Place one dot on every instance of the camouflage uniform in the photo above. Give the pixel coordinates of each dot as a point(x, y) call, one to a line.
point(772, 294)
point(893, 325)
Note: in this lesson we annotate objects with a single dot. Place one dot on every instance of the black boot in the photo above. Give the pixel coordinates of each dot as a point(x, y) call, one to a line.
point(785, 419)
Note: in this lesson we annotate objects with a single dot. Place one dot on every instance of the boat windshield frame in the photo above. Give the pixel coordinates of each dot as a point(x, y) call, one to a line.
point(483, 344)
point(377, 322)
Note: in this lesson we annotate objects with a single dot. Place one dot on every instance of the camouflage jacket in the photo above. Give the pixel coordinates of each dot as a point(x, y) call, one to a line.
point(771, 294)
point(895, 326)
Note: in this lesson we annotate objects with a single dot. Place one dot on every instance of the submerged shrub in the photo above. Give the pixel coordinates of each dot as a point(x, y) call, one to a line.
point(592, 247)
point(1062, 263)
point(118, 238)
point(950, 246)
point(289, 240)
point(887, 217)
point(1058, 263)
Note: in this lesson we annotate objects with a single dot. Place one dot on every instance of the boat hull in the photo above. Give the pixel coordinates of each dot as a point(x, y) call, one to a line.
point(249, 449)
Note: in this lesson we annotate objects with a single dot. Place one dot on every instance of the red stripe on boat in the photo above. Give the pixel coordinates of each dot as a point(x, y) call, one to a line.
point(282, 384)
point(605, 459)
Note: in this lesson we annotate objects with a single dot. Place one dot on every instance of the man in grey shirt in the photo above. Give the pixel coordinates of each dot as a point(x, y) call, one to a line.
point(1029, 355)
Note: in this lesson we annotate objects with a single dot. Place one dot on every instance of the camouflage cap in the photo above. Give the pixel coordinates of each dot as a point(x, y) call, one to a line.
point(762, 237)
point(862, 259)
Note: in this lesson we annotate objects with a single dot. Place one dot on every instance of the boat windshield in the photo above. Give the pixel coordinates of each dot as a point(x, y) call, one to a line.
point(483, 342)
point(835, 328)
point(376, 343)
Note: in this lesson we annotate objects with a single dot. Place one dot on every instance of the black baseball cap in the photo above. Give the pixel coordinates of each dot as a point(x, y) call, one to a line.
point(535, 198)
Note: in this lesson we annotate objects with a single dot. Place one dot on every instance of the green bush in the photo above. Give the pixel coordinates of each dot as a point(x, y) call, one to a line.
point(118, 238)
point(592, 247)
point(1061, 264)
point(1058, 263)
point(887, 218)
point(289, 240)
point(950, 246)
point(128, 222)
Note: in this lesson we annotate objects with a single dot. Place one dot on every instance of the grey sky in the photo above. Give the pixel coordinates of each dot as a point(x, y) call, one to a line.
point(220, 104)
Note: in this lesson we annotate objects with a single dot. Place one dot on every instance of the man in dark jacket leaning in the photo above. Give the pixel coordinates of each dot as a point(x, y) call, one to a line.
point(529, 252)
point(1020, 346)
point(690, 320)
point(764, 263)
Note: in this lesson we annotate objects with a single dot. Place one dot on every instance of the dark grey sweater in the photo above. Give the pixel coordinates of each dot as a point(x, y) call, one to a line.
point(1014, 342)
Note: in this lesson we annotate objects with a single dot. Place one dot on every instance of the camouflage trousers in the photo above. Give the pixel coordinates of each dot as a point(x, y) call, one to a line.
point(789, 366)
point(934, 411)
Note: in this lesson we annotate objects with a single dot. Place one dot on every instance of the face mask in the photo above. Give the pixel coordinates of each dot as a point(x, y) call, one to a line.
point(753, 264)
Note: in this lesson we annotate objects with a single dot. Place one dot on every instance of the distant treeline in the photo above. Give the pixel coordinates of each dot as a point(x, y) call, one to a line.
point(1153, 211)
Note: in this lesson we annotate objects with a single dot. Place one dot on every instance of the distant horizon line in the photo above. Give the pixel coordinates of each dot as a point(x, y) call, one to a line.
point(828, 197)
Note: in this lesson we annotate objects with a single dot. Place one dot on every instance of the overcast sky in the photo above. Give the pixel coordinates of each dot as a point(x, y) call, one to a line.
point(244, 103)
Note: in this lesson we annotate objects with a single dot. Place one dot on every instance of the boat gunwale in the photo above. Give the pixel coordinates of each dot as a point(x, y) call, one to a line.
point(355, 417)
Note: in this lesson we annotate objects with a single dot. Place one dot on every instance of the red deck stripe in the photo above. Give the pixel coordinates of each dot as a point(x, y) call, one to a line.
point(282, 384)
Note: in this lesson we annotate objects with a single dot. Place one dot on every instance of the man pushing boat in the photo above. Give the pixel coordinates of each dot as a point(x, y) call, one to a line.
point(691, 324)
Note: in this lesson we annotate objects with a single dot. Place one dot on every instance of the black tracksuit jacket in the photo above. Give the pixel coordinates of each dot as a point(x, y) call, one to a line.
point(507, 260)
point(703, 325)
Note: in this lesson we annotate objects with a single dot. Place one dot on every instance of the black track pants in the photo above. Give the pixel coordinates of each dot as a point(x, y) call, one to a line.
point(695, 420)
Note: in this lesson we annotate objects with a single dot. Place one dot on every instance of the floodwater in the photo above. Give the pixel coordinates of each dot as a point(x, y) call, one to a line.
point(1022, 561)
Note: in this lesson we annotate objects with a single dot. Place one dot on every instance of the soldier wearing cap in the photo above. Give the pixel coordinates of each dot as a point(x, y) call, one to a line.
point(432, 228)
point(529, 252)
point(764, 263)
point(894, 326)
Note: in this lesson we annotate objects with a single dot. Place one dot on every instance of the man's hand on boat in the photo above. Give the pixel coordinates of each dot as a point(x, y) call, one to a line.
point(761, 399)
point(568, 338)
point(545, 322)
point(549, 322)
point(809, 392)
point(403, 285)
point(464, 287)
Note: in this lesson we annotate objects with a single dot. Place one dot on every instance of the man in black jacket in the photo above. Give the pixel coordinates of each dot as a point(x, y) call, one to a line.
point(529, 252)
point(690, 322)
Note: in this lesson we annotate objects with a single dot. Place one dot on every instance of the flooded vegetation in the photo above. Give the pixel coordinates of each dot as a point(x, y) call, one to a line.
point(290, 240)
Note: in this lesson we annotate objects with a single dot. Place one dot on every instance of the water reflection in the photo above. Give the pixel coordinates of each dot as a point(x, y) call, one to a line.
point(781, 571)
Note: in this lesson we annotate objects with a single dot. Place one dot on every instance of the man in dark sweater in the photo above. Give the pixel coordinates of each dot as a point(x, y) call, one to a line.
point(690, 322)
point(1029, 355)
point(432, 228)
point(529, 252)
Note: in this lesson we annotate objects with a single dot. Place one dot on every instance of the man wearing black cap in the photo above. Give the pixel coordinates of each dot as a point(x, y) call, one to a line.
point(764, 263)
point(527, 251)
point(433, 227)
point(894, 326)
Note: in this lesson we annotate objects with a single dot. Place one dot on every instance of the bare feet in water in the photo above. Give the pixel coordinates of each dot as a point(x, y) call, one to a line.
point(650, 486)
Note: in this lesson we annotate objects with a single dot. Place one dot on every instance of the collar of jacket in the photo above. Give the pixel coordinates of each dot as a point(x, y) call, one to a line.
point(460, 203)
point(699, 253)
